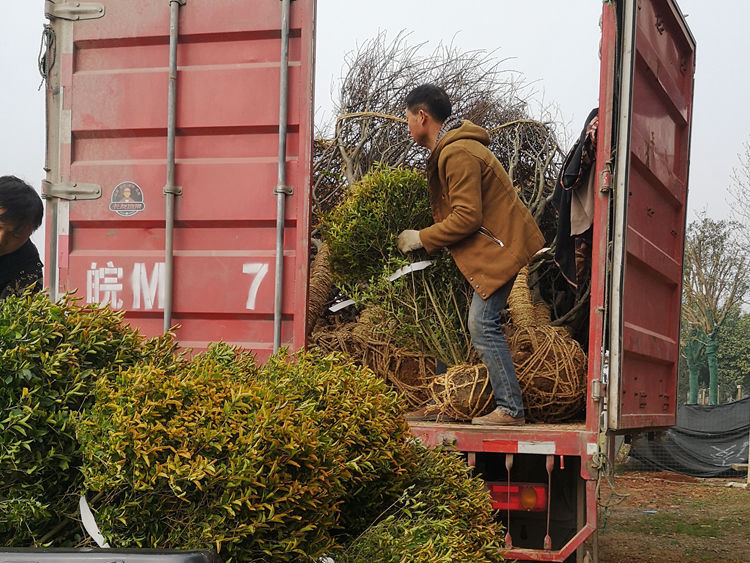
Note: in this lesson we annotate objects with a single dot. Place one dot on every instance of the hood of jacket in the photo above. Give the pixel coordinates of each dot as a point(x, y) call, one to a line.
point(467, 131)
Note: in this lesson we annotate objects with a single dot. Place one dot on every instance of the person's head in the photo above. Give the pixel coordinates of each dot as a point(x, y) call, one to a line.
point(427, 106)
point(21, 212)
point(126, 192)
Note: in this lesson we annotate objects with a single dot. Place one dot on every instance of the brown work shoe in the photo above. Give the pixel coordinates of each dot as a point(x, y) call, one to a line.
point(500, 418)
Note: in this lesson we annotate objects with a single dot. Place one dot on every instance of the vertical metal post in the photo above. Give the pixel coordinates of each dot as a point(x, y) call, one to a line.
point(52, 94)
point(549, 464)
point(281, 190)
point(580, 512)
point(170, 190)
point(58, 34)
point(508, 467)
point(53, 271)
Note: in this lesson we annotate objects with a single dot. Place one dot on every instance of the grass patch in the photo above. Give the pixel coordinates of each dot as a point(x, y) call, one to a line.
point(699, 553)
point(621, 468)
point(664, 524)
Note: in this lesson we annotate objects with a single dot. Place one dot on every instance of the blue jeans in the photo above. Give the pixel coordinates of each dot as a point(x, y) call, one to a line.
point(489, 340)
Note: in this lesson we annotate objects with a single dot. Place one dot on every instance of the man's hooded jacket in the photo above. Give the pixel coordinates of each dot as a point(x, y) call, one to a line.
point(478, 215)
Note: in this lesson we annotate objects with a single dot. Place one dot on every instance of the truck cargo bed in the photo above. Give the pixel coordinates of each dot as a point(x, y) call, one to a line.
point(540, 438)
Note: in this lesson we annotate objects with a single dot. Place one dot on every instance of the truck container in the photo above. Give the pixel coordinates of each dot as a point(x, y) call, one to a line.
point(179, 139)
point(166, 194)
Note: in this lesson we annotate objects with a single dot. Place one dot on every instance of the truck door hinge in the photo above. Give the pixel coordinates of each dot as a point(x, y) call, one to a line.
point(605, 180)
point(70, 190)
point(596, 390)
point(73, 11)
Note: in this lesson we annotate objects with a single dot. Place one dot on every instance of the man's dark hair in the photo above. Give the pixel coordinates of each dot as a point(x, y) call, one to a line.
point(430, 98)
point(19, 202)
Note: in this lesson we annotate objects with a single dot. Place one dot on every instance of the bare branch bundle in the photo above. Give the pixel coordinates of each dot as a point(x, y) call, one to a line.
point(370, 128)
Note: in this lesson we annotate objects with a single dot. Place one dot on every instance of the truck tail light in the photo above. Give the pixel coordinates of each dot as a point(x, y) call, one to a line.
point(530, 497)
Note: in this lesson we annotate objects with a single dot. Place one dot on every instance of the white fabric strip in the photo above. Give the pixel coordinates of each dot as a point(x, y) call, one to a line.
point(87, 518)
point(415, 267)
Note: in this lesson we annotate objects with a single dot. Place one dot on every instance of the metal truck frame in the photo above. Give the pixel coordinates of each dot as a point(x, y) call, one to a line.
point(646, 91)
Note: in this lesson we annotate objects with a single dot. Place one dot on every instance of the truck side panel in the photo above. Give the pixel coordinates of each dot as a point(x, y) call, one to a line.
point(650, 198)
point(108, 118)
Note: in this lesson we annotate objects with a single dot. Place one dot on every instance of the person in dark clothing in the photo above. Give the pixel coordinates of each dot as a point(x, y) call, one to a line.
point(573, 199)
point(21, 213)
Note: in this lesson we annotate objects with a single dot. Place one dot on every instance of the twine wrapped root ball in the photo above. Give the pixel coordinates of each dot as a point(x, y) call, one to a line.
point(336, 338)
point(463, 392)
point(551, 370)
point(374, 324)
point(358, 339)
point(408, 371)
point(411, 373)
point(550, 365)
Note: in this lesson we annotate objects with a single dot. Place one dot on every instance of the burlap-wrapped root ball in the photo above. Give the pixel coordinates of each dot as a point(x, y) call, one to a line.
point(551, 370)
point(319, 288)
point(336, 338)
point(408, 371)
point(463, 392)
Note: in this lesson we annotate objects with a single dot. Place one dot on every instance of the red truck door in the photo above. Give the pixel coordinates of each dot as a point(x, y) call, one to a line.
point(652, 119)
point(107, 95)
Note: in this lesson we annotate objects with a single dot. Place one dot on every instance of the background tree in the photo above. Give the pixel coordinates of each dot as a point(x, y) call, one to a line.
point(734, 353)
point(715, 282)
point(739, 194)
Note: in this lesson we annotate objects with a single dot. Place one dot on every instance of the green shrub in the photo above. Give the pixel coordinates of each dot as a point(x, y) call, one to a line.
point(279, 462)
point(443, 515)
point(50, 356)
point(362, 419)
point(427, 308)
point(259, 462)
point(361, 232)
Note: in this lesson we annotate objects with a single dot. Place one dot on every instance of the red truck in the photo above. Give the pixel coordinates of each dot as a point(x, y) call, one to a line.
point(179, 141)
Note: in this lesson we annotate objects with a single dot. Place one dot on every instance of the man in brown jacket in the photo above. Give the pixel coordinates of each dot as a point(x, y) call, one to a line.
point(482, 222)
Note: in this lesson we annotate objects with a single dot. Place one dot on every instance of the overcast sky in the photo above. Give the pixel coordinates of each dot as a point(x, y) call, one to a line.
point(552, 43)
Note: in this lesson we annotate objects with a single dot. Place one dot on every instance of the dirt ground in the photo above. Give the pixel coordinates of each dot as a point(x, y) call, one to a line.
point(671, 518)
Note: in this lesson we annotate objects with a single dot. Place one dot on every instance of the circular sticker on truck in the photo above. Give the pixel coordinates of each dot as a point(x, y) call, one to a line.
point(127, 199)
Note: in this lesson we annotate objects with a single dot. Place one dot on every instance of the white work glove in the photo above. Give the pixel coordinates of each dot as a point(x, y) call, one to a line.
point(409, 240)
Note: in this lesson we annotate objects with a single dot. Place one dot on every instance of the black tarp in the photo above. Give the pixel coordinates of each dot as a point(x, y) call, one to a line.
point(705, 442)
